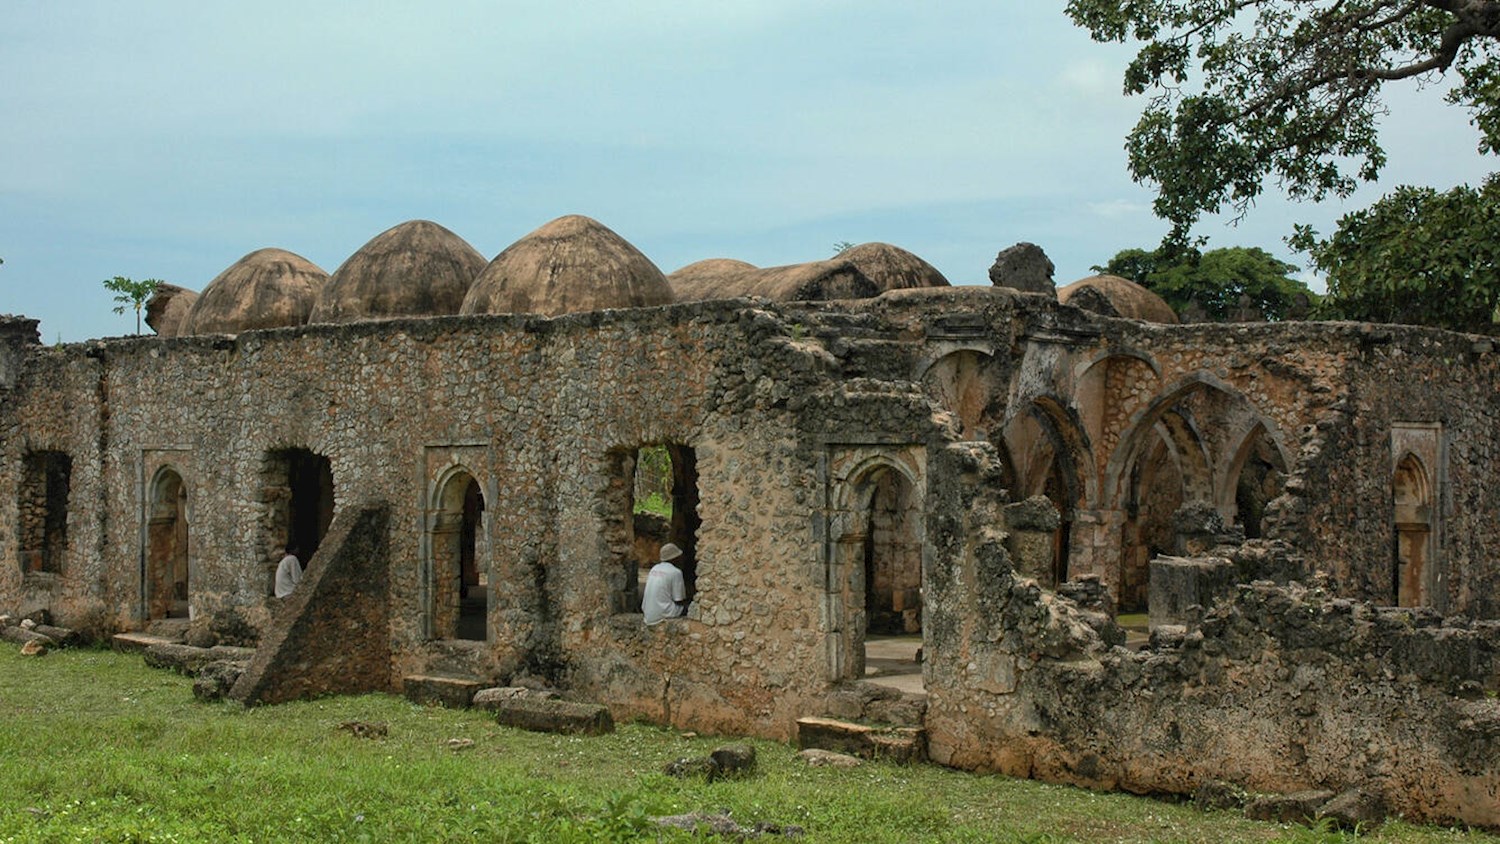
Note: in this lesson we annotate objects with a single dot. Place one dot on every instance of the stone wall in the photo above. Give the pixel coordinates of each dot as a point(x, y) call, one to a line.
point(819, 434)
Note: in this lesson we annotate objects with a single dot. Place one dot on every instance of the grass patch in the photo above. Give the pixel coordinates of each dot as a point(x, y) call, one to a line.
point(94, 746)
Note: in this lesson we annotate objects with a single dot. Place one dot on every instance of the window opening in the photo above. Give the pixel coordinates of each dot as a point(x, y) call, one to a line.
point(43, 533)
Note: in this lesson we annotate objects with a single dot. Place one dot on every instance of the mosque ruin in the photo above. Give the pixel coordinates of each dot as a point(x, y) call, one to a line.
point(849, 449)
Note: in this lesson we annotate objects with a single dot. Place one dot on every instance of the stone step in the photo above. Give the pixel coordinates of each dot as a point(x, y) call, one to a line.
point(452, 692)
point(173, 629)
point(130, 643)
point(899, 744)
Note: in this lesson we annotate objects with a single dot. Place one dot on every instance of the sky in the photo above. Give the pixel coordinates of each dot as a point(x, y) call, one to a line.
point(167, 139)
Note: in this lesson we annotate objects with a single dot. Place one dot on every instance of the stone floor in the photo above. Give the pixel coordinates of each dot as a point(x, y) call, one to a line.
point(892, 661)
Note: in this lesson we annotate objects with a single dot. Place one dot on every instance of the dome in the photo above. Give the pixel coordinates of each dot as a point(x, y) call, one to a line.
point(1117, 297)
point(168, 307)
point(569, 265)
point(722, 278)
point(417, 268)
point(711, 278)
point(269, 288)
point(892, 268)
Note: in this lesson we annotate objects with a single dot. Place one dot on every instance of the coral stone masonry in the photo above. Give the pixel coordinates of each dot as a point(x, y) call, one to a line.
point(1303, 513)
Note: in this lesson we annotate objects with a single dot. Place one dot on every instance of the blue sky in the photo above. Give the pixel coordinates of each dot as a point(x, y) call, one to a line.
point(168, 139)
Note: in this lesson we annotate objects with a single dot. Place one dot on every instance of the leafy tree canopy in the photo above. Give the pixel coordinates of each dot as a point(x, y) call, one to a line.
point(1222, 285)
point(131, 294)
point(1250, 90)
point(1416, 256)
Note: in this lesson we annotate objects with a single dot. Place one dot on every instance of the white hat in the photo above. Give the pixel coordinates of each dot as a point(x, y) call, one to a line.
point(670, 552)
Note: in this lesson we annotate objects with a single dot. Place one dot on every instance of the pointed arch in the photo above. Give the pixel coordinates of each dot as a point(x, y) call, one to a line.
point(1256, 474)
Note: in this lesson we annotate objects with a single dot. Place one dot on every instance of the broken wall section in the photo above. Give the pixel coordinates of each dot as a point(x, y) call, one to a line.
point(1280, 689)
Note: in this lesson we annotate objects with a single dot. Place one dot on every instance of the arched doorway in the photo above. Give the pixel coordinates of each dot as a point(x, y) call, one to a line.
point(459, 584)
point(1411, 496)
point(166, 575)
point(876, 577)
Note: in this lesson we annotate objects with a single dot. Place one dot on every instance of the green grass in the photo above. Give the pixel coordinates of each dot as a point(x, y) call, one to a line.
point(94, 746)
point(654, 503)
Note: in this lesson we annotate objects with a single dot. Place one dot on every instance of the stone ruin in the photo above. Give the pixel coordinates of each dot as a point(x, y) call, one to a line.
point(1302, 513)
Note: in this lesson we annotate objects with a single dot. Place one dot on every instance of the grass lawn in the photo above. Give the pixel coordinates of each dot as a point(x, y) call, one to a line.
point(94, 746)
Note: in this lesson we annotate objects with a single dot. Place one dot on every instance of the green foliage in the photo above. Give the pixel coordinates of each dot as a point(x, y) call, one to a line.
point(1217, 284)
point(131, 294)
point(97, 747)
point(1416, 256)
point(842, 246)
point(1287, 90)
point(653, 480)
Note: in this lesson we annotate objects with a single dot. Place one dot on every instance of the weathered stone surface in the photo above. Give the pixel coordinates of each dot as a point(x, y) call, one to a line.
point(553, 716)
point(493, 697)
point(452, 692)
point(35, 647)
point(1024, 267)
point(1183, 588)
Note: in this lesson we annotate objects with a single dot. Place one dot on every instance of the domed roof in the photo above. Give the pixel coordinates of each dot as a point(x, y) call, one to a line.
point(417, 268)
point(569, 265)
point(723, 278)
point(168, 307)
point(269, 288)
point(892, 268)
point(1118, 297)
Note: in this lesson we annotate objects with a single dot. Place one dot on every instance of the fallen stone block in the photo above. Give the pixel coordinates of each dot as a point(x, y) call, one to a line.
point(452, 692)
point(489, 698)
point(184, 659)
point(554, 716)
point(216, 679)
point(1353, 809)
point(1218, 795)
point(134, 643)
point(1300, 807)
point(34, 648)
point(64, 637)
point(691, 766)
point(365, 729)
point(899, 744)
point(828, 759)
point(725, 826)
point(733, 760)
point(21, 636)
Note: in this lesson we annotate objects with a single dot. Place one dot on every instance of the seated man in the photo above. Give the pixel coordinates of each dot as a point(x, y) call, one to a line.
point(665, 595)
point(288, 573)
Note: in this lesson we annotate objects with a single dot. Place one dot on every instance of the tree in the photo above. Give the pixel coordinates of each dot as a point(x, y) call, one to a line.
point(1250, 90)
point(131, 294)
point(1220, 285)
point(1416, 256)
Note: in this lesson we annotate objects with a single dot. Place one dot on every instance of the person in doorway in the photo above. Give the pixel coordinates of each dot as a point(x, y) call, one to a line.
point(666, 593)
point(289, 572)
